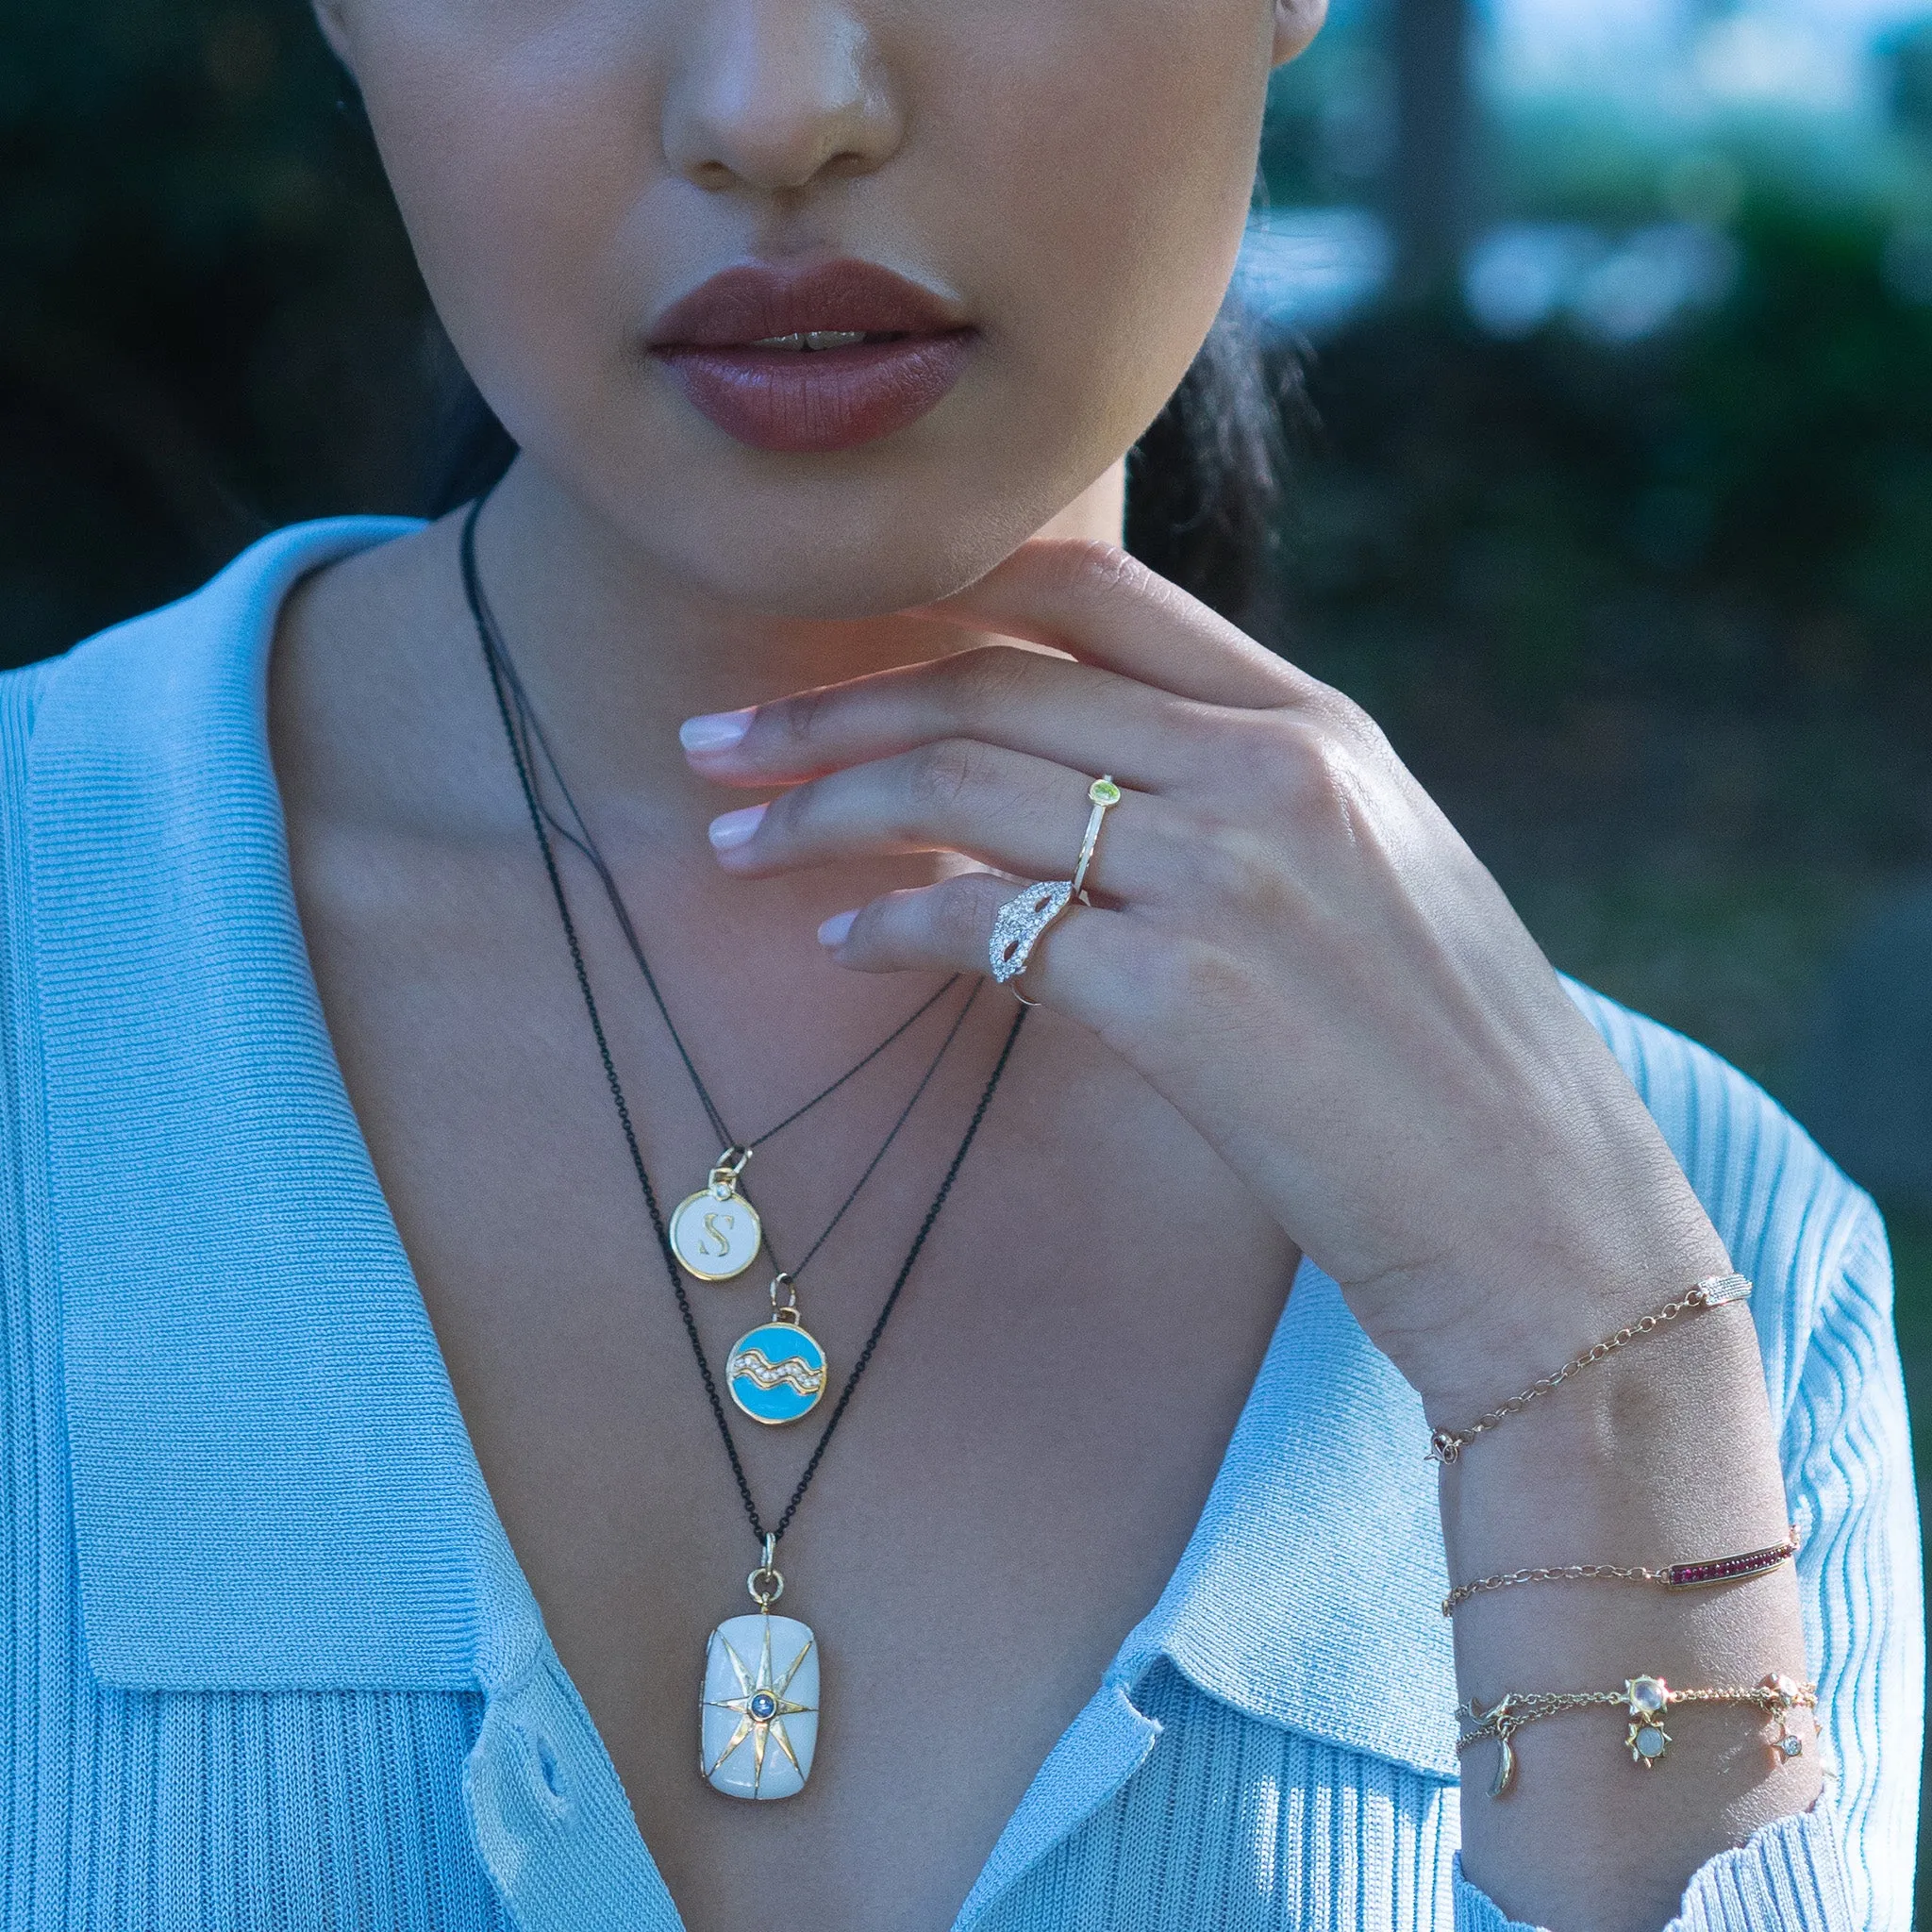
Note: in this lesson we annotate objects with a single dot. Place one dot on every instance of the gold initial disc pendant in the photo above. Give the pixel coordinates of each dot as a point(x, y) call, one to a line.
point(716, 1233)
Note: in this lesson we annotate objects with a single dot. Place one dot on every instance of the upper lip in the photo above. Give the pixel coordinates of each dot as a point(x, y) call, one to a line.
point(756, 301)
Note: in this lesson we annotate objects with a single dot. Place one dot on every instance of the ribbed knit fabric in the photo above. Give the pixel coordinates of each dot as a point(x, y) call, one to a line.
point(268, 1663)
point(133, 1812)
point(1237, 1826)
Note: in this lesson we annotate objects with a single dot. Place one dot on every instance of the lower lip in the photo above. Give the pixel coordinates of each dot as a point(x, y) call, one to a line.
point(812, 402)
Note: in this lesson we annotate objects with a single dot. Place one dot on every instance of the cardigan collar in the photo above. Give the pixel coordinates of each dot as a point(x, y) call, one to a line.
point(271, 1483)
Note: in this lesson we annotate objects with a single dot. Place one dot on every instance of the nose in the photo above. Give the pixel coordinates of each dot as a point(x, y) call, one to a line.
point(774, 95)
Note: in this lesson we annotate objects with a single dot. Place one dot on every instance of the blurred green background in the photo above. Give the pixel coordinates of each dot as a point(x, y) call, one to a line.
point(1612, 451)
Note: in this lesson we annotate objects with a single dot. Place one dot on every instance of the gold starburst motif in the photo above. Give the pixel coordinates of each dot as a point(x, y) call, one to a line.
point(765, 1690)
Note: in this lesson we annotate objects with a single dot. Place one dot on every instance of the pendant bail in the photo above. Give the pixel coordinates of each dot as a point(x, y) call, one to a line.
point(725, 1171)
point(765, 1583)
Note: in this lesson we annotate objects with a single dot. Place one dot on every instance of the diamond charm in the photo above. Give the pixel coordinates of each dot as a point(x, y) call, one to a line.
point(1021, 921)
point(759, 1714)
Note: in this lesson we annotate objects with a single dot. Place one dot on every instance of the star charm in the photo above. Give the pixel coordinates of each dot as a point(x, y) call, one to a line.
point(761, 1706)
point(1647, 1742)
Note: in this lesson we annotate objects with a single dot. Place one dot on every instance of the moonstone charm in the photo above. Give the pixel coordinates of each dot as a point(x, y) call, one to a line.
point(1646, 1696)
point(1647, 1699)
point(1648, 1741)
point(758, 1722)
point(1790, 1694)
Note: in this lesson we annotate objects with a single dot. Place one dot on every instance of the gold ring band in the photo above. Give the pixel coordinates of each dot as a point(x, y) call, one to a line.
point(1106, 794)
point(1021, 922)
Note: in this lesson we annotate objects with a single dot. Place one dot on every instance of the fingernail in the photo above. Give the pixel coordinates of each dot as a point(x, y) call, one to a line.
point(836, 929)
point(732, 828)
point(715, 730)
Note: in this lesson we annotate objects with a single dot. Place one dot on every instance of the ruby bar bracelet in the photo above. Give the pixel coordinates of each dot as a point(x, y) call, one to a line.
point(1695, 1575)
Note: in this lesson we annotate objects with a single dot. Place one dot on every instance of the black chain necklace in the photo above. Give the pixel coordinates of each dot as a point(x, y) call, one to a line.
point(760, 1707)
point(718, 1204)
point(535, 745)
point(715, 1232)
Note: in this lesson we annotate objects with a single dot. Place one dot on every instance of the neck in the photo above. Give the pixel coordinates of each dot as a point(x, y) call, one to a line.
point(615, 657)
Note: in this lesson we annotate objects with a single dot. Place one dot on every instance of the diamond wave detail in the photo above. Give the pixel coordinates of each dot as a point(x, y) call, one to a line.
point(756, 1366)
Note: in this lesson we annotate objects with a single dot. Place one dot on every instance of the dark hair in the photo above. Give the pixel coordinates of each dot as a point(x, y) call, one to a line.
point(1205, 483)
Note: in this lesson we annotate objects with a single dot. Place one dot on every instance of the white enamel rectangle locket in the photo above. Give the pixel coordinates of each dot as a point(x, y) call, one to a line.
point(759, 1712)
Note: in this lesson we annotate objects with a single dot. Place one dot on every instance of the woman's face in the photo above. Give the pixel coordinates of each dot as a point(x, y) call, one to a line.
point(1061, 182)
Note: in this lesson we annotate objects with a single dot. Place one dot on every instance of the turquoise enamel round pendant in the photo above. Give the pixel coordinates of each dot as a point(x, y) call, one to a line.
point(778, 1373)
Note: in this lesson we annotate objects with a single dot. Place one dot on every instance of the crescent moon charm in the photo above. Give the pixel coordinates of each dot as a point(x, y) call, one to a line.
point(1506, 1770)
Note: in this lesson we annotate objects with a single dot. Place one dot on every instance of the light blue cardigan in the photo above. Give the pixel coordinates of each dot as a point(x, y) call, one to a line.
point(269, 1662)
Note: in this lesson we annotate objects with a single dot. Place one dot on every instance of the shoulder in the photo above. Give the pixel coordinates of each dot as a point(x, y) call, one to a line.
point(120, 708)
point(1811, 1240)
point(108, 751)
point(216, 626)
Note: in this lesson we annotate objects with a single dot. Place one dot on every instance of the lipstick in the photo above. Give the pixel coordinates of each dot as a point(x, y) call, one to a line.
point(810, 359)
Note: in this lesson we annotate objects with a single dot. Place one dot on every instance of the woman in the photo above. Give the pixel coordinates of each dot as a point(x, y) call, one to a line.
point(390, 1326)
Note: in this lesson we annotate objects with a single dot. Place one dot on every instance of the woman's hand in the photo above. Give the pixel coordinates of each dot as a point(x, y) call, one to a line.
point(1293, 946)
point(1287, 941)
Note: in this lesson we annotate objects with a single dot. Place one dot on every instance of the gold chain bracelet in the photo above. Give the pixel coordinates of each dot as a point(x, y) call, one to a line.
point(1647, 1700)
point(1713, 1291)
point(1695, 1575)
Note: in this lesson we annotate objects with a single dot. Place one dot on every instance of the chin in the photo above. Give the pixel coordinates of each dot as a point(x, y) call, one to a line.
point(847, 582)
point(836, 545)
point(857, 533)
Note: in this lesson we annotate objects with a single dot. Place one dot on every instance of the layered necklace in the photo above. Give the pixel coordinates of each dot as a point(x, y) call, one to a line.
point(758, 1708)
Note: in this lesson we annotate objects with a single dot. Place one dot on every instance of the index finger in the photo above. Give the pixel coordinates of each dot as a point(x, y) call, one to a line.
point(1104, 606)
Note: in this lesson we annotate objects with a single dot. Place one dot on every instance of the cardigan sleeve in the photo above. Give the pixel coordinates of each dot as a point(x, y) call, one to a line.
point(1787, 1876)
point(1846, 1864)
